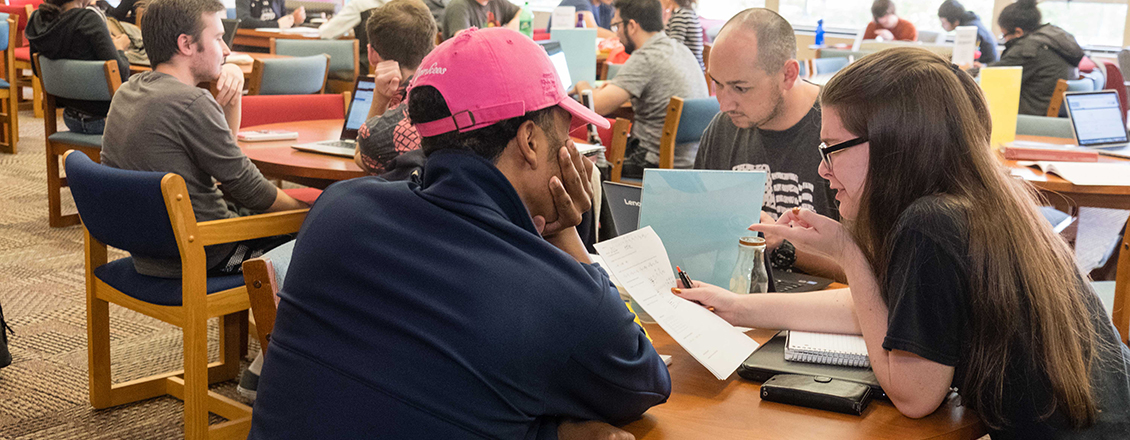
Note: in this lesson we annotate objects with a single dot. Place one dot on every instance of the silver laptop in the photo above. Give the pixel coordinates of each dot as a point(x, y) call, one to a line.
point(1096, 120)
point(553, 49)
point(354, 118)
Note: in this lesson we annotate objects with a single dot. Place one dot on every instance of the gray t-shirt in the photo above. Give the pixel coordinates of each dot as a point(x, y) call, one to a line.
point(791, 157)
point(157, 123)
point(659, 69)
point(463, 14)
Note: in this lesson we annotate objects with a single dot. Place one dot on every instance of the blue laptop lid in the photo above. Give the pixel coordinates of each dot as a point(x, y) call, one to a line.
point(700, 215)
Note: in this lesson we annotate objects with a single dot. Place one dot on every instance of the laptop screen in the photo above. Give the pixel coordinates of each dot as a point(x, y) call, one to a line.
point(1096, 118)
point(553, 48)
point(359, 107)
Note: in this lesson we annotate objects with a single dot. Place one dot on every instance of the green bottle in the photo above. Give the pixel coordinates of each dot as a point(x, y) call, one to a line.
point(526, 21)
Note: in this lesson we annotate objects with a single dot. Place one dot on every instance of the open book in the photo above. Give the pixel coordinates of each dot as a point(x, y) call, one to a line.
point(1086, 174)
point(826, 348)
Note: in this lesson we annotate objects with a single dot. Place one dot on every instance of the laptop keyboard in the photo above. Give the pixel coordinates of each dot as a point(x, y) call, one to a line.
point(339, 144)
point(787, 285)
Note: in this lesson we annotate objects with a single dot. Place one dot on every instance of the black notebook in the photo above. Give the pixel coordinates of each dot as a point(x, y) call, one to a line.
point(769, 360)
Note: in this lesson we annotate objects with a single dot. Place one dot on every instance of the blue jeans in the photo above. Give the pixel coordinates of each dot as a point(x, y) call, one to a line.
point(80, 123)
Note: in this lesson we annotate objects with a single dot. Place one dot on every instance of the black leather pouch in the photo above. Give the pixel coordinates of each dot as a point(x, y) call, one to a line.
point(817, 392)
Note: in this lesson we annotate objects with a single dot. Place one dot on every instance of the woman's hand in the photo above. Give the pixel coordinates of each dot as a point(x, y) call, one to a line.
point(724, 303)
point(810, 232)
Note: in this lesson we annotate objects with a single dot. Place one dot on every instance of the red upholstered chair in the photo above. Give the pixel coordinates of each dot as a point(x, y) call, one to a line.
point(33, 3)
point(273, 109)
point(579, 130)
point(1115, 81)
point(24, 76)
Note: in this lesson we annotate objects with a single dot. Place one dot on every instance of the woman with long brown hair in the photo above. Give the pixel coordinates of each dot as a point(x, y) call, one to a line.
point(956, 279)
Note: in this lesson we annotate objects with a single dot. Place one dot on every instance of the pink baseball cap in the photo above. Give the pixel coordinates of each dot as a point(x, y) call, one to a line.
point(490, 75)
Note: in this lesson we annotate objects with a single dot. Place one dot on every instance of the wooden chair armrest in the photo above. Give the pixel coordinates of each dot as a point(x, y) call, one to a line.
point(255, 226)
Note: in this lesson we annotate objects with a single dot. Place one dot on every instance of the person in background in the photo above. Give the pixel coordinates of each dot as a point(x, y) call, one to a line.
point(953, 14)
point(658, 69)
point(267, 14)
point(956, 278)
point(769, 121)
point(438, 7)
point(683, 26)
point(477, 314)
point(887, 25)
point(69, 30)
point(347, 18)
point(127, 10)
point(463, 14)
point(400, 33)
point(1046, 52)
point(161, 121)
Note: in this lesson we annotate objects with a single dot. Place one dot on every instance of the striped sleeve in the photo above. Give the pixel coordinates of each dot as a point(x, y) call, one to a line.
point(684, 27)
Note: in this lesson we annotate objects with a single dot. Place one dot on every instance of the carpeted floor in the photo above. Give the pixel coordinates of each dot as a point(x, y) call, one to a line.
point(43, 394)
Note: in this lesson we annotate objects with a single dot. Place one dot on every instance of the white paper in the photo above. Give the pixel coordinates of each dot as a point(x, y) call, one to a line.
point(965, 43)
point(640, 261)
point(1087, 173)
point(564, 17)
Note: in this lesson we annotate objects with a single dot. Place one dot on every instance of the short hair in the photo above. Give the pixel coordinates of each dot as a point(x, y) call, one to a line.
point(647, 13)
point(1023, 14)
point(426, 104)
point(882, 8)
point(166, 20)
point(776, 41)
point(403, 31)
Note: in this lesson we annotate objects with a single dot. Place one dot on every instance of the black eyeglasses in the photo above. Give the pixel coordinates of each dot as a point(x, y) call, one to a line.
point(614, 26)
point(826, 150)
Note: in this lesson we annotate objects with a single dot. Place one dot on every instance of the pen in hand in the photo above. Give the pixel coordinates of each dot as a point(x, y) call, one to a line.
point(686, 279)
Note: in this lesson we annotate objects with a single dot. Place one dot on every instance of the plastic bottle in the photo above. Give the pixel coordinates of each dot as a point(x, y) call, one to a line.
point(526, 21)
point(749, 272)
point(819, 32)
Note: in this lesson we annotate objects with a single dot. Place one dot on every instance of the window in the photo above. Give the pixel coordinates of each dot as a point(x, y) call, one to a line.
point(1094, 23)
point(853, 15)
point(724, 9)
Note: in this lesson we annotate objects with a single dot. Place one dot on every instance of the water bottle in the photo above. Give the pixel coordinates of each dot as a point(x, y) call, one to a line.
point(526, 21)
point(819, 32)
point(749, 273)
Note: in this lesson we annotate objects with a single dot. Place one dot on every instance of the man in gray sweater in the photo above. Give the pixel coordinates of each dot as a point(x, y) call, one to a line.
point(160, 121)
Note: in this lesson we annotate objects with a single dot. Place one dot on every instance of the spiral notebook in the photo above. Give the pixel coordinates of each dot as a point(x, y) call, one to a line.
point(826, 348)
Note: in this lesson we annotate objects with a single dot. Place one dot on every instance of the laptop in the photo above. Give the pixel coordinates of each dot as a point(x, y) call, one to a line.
point(230, 26)
point(557, 56)
point(354, 118)
point(769, 360)
point(624, 204)
point(1096, 120)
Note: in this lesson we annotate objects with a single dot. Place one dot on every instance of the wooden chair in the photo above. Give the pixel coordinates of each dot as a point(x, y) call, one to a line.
point(22, 52)
point(617, 147)
point(685, 122)
point(72, 79)
point(10, 117)
point(262, 291)
point(1057, 98)
point(290, 76)
point(1121, 312)
point(706, 62)
point(344, 66)
point(149, 213)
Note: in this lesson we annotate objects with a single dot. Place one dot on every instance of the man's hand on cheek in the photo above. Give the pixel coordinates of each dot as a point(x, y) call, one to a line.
point(571, 191)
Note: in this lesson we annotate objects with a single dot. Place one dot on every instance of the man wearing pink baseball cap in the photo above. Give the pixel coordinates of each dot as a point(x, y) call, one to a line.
point(466, 306)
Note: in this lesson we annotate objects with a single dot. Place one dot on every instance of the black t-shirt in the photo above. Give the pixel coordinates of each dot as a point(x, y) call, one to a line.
point(791, 158)
point(929, 311)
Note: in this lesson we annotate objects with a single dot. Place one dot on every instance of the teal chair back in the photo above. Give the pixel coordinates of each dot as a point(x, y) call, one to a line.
point(343, 57)
point(1044, 126)
point(841, 53)
point(697, 114)
point(1081, 85)
point(293, 76)
point(829, 65)
point(613, 69)
point(4, 32)
point(75, 79)
point(803, 68)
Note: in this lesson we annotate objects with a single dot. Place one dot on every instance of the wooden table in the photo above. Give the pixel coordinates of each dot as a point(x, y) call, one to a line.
point(277, 159)
point(246, 68)
point(704, 407)
point(262, 39)
point(1117, 197)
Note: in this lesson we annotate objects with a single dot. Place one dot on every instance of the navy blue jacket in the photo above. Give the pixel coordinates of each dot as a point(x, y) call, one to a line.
point(437, 311)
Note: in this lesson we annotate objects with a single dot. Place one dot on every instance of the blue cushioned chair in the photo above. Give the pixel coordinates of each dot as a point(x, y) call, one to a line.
point(686, 120)
point(289, 76)
point(829, 65)
point(9, 118)
point(150, 214)
point(344, 64)
point(1044, 126)
point(71, 79)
